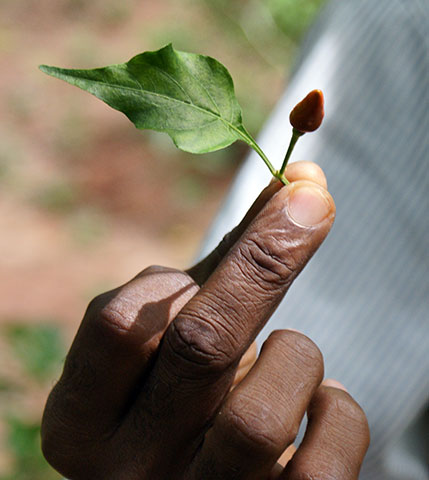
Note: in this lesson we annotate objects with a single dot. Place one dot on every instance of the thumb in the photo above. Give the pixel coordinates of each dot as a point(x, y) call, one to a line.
point(295, 171)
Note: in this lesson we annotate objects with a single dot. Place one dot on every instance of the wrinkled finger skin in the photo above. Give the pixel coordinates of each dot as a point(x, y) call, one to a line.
point(146, 391)
point(261, 417)
point(336, 439)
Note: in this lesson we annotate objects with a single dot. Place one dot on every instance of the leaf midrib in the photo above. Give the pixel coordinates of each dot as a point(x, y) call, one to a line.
point(165, 97)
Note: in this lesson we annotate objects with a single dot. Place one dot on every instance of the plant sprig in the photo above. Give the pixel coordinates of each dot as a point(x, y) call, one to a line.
point(188, 96)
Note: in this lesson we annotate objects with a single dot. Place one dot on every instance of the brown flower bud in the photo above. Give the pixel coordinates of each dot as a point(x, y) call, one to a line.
point(308, 113)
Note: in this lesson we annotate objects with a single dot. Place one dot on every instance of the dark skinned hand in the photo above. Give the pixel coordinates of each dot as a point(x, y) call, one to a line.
point(146, 392)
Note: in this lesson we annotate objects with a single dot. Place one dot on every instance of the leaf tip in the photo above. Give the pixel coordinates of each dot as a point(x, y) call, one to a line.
point(45, 69)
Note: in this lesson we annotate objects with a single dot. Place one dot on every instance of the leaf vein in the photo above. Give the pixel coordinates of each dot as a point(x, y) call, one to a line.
point(207, 92)
point(171, 78)
point(177, 100)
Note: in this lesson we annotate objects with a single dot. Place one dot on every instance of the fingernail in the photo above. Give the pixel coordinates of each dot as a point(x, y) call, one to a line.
point(308, 205)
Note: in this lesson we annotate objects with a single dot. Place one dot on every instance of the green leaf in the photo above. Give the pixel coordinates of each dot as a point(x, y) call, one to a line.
point(189, 96)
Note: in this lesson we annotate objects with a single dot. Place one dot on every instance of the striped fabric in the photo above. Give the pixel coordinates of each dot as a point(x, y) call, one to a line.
point(364, 298)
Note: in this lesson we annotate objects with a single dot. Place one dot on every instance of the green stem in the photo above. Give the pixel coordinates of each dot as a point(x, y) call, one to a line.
point(245, 135)
point(295, 135)
point(259, 151)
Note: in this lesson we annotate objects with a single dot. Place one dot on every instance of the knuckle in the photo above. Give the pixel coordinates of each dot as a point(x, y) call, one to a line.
point(268, 259)
point(193, 341)
point(307, 351)
point(342, 410)
point(300, 350)
point(107, 312)
point(117, 312)
point(114, 318)
point(341, 404)
point(254, 428)
point(116, 309)
point(132, 308)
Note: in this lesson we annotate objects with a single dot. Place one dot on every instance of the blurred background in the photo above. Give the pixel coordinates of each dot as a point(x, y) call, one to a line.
point(86, 200)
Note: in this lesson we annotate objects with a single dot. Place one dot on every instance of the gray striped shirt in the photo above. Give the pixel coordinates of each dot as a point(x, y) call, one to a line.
point(364, 297)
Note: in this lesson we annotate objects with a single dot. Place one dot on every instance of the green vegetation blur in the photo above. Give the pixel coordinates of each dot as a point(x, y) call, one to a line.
point(56, 146)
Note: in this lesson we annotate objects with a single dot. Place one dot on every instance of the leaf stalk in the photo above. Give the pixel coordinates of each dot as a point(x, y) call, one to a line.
point(295, 135)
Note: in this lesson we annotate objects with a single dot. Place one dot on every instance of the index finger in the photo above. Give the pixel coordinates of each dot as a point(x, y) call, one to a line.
point(204, 343)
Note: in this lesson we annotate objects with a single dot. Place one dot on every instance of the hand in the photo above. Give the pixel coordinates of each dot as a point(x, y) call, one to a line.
point(146, 388)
